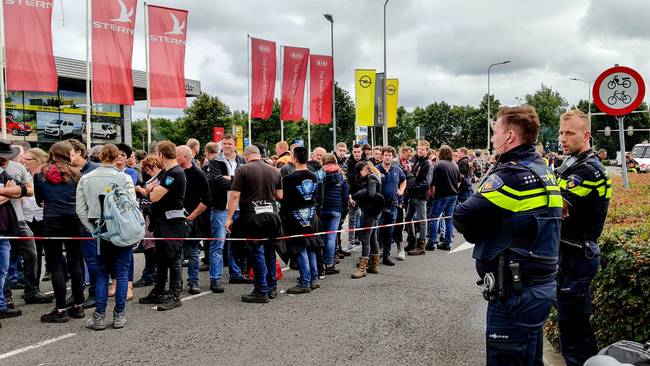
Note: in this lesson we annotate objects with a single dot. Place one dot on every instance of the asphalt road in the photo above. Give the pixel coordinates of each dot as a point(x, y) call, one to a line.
point(424, 311)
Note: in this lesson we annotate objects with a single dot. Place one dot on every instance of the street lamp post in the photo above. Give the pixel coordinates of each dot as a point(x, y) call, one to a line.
point(489, 120)
point(330, 19)
point(383, 92)
point(588, 95)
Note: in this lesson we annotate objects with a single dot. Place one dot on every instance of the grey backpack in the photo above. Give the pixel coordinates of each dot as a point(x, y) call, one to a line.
point(122, 222)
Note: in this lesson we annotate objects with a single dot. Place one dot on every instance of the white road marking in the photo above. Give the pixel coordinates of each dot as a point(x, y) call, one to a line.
point(462, 247)
point(36, 345)
point(188, 298)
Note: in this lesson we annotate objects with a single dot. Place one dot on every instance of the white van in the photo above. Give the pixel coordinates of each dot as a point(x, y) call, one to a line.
point(104, 131)
point(60, 128)
point(641, 153)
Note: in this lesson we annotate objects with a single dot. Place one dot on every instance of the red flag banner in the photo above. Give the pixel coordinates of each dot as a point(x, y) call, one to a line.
point(113, 29)
point(28, 45)
point(217, 134)
point(294, 75)
point(167, 35)
point(263, 78)
point(320, 89)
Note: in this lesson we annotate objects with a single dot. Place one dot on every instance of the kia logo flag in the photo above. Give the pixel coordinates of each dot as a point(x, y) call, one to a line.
point(113, 24)
point(294, 76)
point(321, 74)
point(263, 78)
point(28, 45)
point(167, 37)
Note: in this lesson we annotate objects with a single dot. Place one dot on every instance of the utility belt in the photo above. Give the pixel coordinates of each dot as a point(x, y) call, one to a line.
point(589, 247)
point(507, 279)
point(260, 207)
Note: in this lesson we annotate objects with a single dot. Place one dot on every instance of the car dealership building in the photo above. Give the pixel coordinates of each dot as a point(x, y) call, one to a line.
point(44, 118)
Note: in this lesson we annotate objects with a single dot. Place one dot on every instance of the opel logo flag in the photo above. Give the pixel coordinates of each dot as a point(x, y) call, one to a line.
point(364, 86)
point(392, 90)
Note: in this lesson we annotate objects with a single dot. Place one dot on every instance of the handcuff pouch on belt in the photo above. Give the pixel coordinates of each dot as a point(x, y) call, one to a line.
point(508, 279)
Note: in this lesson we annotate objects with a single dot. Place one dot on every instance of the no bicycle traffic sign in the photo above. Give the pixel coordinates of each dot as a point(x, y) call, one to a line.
point(618, 90)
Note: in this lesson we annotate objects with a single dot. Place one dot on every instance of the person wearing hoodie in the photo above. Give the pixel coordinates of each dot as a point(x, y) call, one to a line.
point(423, 173)
point(370, 202)
point(333, 205)
point(55, 192)
point(111, 259)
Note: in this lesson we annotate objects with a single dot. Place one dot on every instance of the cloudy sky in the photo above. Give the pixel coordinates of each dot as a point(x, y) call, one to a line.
point(439, 49)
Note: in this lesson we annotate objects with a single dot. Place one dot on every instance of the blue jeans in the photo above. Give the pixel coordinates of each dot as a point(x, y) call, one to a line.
point(193, 266)
point(386, 233)
point(514, 326)
point(5, 249)
point(354, 221)
point(263, 256)
point(443, 206)
point(307, 267)
point(329, 221)
point(117, 260)
point(463, 195)
point(218, 218)
point(417, 211)
point(89, 252)
point(15, 272)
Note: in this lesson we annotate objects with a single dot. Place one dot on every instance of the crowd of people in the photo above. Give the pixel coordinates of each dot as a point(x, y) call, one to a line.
point(244, 211)
point(218, 194)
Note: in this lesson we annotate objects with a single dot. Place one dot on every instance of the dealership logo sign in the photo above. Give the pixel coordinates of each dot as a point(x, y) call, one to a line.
point(390, 89)
point(125, 15)
point(264, 48)
point(297, 55)
point(365, 81)
point(321, 63)
point(177, 27)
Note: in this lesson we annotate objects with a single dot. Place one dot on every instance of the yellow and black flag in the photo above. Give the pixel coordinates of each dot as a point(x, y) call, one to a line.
point(365, 80)
point(392, 91)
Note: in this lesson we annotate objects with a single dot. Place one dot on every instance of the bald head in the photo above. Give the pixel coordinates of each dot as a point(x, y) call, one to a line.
point(184, 156)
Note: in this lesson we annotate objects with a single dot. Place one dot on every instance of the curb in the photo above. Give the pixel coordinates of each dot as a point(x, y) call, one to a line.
point(551, 356)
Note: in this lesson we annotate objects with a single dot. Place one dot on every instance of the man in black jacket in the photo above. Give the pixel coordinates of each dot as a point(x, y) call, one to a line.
point(354, 214)
point(422, 171)
point(220, 172)
point(466, 173)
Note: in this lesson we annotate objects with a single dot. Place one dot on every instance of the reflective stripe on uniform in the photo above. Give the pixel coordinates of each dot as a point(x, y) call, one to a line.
point(603, 187)
point(520, 203)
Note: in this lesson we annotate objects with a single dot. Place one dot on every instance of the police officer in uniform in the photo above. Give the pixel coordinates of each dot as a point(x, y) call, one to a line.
point(514, 220)
point(586, 190)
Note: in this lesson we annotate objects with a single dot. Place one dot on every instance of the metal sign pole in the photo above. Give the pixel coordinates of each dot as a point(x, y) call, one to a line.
point(3, 106)
point(621, 138)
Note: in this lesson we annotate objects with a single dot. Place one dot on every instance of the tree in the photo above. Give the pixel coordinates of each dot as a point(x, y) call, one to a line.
point(161, 129)
point(404, 133)
point(549, 105)
point(203, 114)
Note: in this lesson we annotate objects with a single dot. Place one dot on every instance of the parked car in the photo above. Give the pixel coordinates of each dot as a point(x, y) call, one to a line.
point(641, 153)
point(17, 128)
point(61, 128)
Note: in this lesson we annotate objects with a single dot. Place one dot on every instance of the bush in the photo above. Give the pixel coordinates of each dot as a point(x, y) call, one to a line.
point(621, 289)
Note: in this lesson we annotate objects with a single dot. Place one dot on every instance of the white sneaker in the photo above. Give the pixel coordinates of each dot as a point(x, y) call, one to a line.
point(401, 255)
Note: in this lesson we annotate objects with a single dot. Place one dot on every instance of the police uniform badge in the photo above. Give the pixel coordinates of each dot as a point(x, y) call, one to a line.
point(492, 183)
point(573, 181)
point(169, 181)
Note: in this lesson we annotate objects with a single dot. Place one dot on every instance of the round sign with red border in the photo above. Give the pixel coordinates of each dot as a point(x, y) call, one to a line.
point(618, 90)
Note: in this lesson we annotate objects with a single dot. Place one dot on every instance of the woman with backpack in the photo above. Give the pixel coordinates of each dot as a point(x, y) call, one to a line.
point(55, 191)
point(111, 258)
point(333, 206)
point(371, 202)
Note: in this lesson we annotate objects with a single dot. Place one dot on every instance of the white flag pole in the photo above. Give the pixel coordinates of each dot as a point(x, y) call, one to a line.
point(248, 73)
point(281, 89)
point(146, 50)
point(308, 108)
point(89, 103)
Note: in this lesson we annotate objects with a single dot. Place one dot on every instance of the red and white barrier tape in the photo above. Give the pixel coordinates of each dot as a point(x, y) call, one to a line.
point(284, 237)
